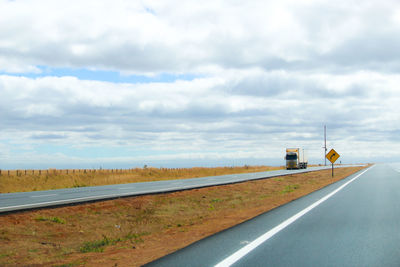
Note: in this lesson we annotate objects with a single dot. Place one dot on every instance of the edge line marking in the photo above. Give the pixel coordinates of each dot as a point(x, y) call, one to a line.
point(49, 195)
point(254, 244)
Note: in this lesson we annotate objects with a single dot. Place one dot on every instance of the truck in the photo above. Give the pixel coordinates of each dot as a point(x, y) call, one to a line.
point(296, 158)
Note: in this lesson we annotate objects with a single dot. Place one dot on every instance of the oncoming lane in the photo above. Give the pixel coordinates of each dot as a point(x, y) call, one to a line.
point(28, 200)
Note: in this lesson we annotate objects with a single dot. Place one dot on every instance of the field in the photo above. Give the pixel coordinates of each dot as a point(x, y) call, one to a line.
point(36, 180)
point(135, 230)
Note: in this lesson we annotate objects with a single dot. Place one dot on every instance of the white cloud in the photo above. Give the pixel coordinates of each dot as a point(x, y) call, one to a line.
point(270, 75)
point(206, 114)
point(149, 37)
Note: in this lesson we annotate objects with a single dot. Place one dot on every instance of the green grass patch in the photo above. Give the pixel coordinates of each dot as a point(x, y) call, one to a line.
point(50, 219)
point(137, 238)
point(290, 188)
point(4, 255)
point(99, 245)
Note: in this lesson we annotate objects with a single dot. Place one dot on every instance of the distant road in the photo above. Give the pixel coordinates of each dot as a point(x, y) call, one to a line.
point(354, 222)
point(37, 199)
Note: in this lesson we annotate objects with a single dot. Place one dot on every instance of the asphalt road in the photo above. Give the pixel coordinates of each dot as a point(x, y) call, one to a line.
point(28, 200)
point(354, 222)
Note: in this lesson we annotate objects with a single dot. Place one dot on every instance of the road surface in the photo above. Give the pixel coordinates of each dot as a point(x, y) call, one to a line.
point(354, 222)
point(28, 200)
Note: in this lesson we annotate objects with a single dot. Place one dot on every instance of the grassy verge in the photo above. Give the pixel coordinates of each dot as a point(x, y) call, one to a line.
point(133, 231)
point(35, 180)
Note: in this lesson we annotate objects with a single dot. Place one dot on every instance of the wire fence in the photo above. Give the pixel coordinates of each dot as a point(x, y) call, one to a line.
point(63, 171)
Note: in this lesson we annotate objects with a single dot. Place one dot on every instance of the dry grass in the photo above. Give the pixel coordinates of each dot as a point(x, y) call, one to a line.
point(36, 180)
point(133, 231)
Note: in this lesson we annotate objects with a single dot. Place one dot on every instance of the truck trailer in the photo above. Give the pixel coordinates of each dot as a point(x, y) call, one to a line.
point(296, 158)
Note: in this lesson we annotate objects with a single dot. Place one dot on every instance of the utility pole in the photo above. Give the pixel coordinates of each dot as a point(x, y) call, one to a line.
point(325, 149)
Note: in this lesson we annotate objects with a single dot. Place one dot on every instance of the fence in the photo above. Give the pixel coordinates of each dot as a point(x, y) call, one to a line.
point(64, 171)
point(145, 169)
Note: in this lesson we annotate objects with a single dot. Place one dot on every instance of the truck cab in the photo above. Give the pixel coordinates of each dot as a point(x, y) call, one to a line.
point(291, 160)
point(296, 158)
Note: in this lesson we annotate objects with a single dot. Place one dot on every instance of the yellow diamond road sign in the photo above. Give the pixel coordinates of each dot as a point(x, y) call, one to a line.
point(332, 156)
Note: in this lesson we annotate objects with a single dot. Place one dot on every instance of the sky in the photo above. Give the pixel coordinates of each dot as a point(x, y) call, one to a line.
point(120, 84)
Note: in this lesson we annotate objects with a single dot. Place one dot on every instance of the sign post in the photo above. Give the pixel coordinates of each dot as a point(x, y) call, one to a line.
point(332, 156)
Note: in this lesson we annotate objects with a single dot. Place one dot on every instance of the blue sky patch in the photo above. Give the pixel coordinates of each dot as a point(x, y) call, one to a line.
point(106, 76)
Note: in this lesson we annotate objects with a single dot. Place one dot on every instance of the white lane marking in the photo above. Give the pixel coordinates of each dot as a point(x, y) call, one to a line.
point(45, 195)
point(246, 249)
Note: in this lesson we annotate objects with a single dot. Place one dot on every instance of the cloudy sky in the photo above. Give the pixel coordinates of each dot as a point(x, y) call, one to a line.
point(88, 84)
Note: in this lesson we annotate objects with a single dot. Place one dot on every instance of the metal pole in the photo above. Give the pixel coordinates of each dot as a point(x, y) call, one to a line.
point(325, 144)
point(332, 169)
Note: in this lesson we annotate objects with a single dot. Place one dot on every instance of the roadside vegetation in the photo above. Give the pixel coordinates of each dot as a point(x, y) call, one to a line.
point(135, 230)
point(36, 180)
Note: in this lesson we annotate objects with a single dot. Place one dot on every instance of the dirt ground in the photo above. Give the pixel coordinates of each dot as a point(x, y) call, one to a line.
point(136, 230)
